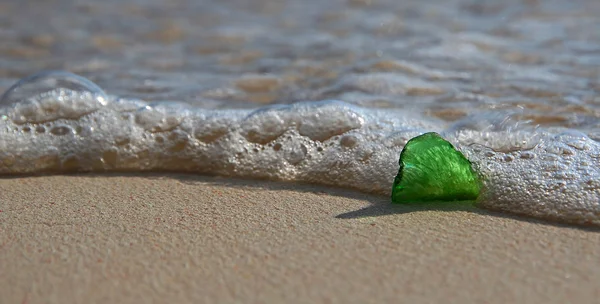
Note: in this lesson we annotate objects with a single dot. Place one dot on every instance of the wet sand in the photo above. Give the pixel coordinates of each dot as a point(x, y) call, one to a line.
point(182, 238)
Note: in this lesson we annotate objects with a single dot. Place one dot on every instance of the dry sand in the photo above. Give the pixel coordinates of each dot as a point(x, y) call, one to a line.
point(181, 238)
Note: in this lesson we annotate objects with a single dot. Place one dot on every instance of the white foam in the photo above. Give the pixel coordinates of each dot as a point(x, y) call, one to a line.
point(534, 172)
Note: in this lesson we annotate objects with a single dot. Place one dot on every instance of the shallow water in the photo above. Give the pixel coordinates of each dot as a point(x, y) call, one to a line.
point(188, 86)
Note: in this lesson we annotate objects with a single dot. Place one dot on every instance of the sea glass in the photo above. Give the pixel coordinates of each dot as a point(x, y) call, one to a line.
point(431, 170)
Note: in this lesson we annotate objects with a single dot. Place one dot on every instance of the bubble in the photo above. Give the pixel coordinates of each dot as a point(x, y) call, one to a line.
point(49, 96)
point(327, 120)
point(574, 139)
point(579, 145)
point(549, 157)
point(263, 127)
point(558, 148)
point(565, 175)
point(178, 141)
point(557, 185)
point(489, 154)
point(591, 184)
point(61, 130)
point(160, 117)
point(47, 81)
point(497, 121)
point(349, 141)
point(210, 129)
point(554, 166)
point(400, 138)
point(295, 153)
point(527, 155)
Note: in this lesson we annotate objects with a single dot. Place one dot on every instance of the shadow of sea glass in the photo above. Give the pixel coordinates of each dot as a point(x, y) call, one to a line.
point(382, 209)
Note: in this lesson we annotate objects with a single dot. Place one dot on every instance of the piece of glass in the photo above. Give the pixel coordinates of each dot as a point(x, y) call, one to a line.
point(431, 169)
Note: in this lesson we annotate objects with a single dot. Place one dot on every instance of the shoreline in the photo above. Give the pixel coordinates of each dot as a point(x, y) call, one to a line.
point(126, 237)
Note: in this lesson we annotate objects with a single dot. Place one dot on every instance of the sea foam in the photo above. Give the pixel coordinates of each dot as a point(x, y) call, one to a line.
point(60, 122)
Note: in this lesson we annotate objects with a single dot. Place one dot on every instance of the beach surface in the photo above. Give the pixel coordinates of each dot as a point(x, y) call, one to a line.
point(127, 238)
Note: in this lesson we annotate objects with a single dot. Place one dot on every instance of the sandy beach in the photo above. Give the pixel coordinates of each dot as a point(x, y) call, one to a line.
point(190, 239)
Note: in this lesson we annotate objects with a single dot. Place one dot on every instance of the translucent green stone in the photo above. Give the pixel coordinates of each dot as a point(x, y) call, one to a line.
point(431, 169)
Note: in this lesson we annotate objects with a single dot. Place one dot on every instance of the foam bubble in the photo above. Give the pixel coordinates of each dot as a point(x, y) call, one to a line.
point(266, 125)
point(160, 117)
point(51, 95)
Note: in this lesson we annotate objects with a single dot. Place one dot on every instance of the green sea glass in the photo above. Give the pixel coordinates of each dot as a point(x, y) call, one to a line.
point(431, 169)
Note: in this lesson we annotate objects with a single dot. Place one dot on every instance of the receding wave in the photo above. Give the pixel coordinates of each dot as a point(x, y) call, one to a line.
point(59, 122)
